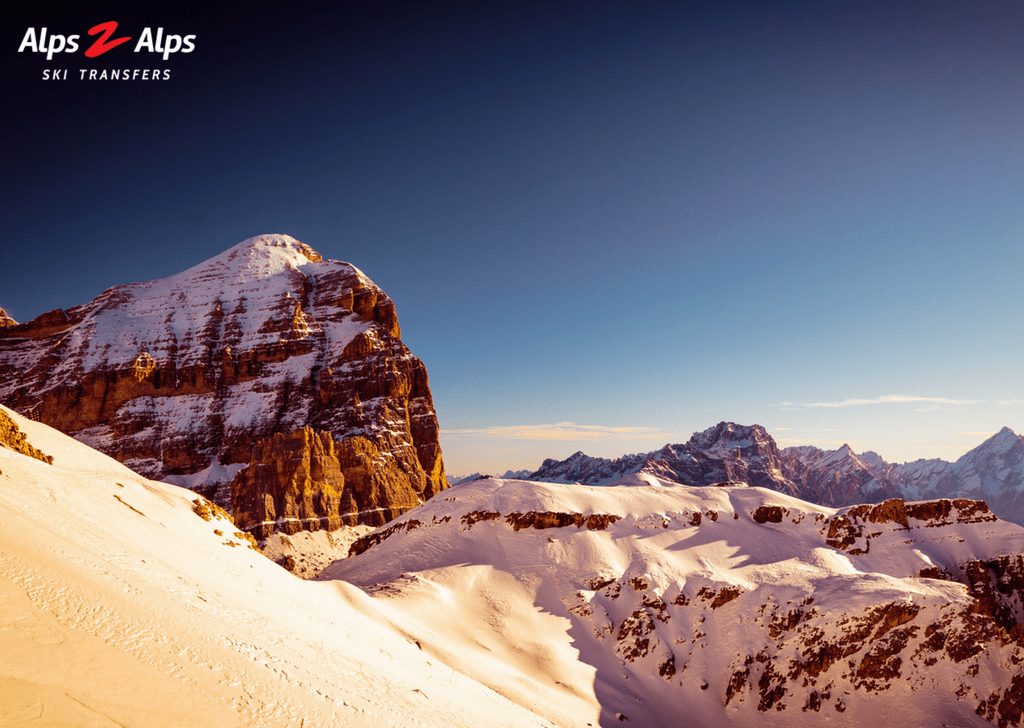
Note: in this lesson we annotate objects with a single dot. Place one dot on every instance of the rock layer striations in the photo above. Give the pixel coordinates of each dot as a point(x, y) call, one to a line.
point(267, 377)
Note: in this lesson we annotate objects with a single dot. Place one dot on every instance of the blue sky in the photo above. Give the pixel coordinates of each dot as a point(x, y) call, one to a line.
point(605, 226)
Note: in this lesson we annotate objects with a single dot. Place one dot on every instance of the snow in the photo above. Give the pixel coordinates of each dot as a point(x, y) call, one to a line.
point(119, 606)
point(215, 473)
point(474, 585)
point(312, 551)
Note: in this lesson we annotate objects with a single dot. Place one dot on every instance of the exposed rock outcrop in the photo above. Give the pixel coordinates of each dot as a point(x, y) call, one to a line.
point(266, 359)
point(13, 438)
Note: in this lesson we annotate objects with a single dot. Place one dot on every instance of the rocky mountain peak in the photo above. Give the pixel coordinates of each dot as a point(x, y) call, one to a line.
point(729, 436)
point(189, 374)
point(871, 459)
point(1001, 442)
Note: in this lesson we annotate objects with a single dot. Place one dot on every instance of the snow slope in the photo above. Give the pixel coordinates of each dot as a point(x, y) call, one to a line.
point(503, 603)
point(666, 605)
point(120, 606)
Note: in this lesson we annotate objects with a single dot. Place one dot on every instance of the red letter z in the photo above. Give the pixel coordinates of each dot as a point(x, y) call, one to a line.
point(101, 45)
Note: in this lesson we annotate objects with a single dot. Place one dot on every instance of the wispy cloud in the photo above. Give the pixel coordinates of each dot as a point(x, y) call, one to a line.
point(566, 431)
point(895, 399)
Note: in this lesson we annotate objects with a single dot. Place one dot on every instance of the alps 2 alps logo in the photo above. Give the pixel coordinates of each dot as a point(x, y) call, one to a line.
point(166, 44)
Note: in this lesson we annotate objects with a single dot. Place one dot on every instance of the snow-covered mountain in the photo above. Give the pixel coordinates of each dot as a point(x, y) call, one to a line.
point(266, 364)
point(130, 602)
point(652, 604)
point(993, 471)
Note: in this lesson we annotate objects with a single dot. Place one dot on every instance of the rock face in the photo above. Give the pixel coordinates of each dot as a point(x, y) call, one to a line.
point(294, 480)
point(266, 365)
point(12, 438)
point(993, 471)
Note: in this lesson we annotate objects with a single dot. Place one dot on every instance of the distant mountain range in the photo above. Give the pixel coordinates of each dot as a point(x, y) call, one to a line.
point(509, 475)
point(993, 471)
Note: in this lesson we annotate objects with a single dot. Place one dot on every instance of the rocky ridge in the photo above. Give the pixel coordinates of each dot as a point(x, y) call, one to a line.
point(735, 605)
point(267, 378)
point(12, 438)
point(993, 471)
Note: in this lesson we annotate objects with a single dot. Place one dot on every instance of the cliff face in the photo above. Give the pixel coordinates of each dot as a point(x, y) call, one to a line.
point(266, 362)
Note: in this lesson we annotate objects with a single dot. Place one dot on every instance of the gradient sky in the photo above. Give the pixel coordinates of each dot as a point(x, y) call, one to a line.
point(605, 225)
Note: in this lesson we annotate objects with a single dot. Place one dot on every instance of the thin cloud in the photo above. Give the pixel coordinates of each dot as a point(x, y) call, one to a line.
point(894, 399)
point(563, 431)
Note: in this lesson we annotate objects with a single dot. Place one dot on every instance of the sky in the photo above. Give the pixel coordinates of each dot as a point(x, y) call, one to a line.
point(605, 226)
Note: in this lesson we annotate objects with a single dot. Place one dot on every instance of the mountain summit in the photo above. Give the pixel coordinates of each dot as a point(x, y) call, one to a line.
point(266, 367)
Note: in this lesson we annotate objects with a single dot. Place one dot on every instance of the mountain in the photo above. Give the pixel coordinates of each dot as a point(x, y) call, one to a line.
point(132, 602)
point(267, 378)
point(129, 602)
point(649, 604)
point(993, 471)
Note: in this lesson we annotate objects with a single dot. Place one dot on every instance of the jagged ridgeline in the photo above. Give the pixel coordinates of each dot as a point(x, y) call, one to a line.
point(267, 378)
point(727, 452)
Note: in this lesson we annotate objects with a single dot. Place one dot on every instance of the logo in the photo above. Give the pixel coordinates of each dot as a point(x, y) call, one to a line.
point(105, 41)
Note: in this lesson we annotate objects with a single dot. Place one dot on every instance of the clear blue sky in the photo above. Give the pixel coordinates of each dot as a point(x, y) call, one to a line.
point(640, 219)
